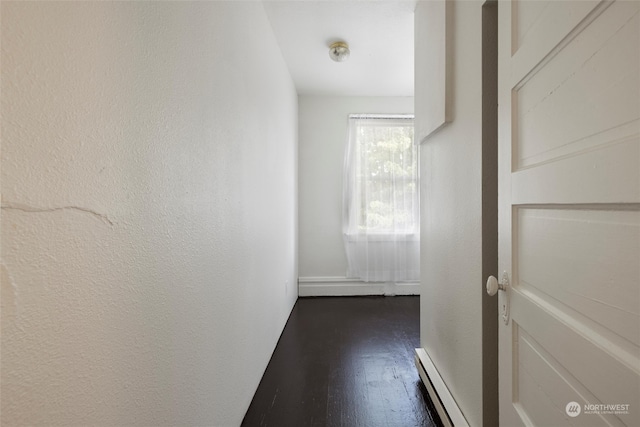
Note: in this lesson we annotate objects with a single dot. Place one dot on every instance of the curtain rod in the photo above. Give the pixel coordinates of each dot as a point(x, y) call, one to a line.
point(381, 116)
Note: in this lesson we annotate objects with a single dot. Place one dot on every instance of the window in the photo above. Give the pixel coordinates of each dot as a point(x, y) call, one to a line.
point(382, 170)
point(381, 208)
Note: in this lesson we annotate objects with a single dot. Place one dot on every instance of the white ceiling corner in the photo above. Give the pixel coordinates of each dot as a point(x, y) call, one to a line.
point(379, 34)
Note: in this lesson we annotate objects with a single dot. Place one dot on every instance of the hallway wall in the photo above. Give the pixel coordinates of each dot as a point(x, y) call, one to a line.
point(149, 212)
point(452, 327)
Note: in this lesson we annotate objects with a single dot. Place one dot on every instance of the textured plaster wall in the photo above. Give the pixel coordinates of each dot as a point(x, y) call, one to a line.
point(451, 224)
point(149, 224)
point(323, 125)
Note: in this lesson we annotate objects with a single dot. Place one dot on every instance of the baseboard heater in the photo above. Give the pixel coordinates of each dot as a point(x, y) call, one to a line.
point(344, 286)
point(447, 408)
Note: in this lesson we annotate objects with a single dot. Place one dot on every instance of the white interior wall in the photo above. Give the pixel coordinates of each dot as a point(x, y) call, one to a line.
point(323, 124)
point(451, 225)
point(149, 211)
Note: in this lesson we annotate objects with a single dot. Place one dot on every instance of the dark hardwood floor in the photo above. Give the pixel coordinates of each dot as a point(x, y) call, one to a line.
point(345, 361)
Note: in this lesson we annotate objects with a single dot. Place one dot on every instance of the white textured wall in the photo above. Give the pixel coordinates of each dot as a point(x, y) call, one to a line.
point(149, 211)
point(323, 124)
point(451, 225)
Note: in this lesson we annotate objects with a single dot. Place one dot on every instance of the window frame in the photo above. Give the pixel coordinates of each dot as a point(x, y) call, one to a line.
point(352, 224)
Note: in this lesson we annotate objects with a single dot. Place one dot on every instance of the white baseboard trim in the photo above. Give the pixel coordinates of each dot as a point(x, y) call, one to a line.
point(342, 286)
point(448, 409)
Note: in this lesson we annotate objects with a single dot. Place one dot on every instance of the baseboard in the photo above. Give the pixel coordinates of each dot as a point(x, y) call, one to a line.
point(448, 410)
point(342, 286)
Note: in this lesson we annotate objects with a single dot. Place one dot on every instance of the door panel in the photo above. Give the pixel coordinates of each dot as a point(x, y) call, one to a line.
point(604, 289)
point(569, 211)
point(543, 382)
point(564, 107)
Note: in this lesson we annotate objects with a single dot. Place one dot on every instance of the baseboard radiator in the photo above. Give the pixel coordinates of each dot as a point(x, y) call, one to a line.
point(343, 286)
point(448, 410)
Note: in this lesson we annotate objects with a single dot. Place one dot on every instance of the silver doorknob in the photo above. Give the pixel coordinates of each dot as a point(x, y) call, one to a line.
point(493, 286)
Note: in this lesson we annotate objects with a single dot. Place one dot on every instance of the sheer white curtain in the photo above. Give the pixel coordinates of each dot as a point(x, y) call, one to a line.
point(381, 210)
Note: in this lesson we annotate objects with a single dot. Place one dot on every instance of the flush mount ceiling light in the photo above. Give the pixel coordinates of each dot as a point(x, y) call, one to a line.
point(339, 51)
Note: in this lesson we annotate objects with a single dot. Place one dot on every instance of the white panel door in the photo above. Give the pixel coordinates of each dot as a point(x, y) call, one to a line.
point(569, 212)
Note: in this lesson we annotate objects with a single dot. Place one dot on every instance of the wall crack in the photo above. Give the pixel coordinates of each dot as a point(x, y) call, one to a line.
point(34, 209)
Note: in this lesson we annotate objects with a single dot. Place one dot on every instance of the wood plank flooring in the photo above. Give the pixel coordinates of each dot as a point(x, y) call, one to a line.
point(345, 361)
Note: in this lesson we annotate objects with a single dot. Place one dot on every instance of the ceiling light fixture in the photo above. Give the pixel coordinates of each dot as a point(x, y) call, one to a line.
point(339, 51)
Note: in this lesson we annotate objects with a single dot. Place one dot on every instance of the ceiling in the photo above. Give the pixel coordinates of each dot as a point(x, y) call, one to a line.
point(379, 34)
